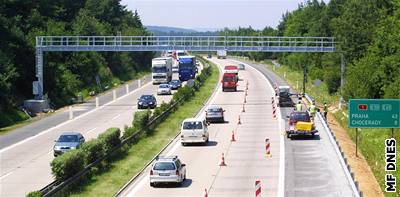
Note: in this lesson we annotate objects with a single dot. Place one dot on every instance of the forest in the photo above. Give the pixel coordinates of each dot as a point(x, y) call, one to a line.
point(367, 34)
point(66, 74)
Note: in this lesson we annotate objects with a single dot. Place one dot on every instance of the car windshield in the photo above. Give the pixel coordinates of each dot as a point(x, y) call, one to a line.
point(68, 138)
point(159, 69)
point(186, 65)
point(164, 166)
point(214, 110)
point(301, 117)
point(192, 125)
point(227, 79)
point(146, 97)
point(164, 86)
point(175, 82)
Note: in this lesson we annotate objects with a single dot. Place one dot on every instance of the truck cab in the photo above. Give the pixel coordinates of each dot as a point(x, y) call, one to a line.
point(187, 68)
point(284, 97)
point(161, 70)
point(233, 70)
point(229, 82)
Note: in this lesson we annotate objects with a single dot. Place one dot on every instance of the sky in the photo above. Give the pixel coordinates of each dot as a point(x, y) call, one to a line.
point(211, 14)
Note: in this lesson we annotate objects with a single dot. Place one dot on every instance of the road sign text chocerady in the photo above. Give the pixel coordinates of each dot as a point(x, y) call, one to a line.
point(390, 159)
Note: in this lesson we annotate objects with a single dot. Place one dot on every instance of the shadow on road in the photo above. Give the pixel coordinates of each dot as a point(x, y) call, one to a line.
point(305, 137)
point(185, 183)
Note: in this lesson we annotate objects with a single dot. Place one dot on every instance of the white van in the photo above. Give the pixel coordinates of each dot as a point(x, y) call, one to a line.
point(194, 130)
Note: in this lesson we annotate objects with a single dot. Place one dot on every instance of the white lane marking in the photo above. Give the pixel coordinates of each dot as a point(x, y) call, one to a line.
point(281, 182)
point(5, 175)
point(68, 121)
point(115, 117)
point(50, 152)
point(144, 178)
point(91, 130)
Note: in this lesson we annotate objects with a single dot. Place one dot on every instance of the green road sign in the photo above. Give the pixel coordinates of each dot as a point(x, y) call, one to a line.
point(374, 113)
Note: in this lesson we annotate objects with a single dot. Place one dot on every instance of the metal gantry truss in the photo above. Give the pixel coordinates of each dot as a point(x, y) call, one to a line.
point(163, 43)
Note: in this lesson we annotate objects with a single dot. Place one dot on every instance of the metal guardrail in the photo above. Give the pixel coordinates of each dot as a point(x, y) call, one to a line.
point(56, 186)
point(162, 150)
point(343, 161)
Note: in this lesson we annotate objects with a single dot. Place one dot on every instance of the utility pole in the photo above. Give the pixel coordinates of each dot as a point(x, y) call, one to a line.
point(304, 79)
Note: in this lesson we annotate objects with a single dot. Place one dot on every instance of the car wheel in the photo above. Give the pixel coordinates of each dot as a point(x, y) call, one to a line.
point(152, 184)
point(183, 143)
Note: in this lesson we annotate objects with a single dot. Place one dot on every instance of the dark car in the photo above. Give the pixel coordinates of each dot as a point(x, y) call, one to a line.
point(147, 101)
point(68, 141)
point(209, 56)
point(175, 84)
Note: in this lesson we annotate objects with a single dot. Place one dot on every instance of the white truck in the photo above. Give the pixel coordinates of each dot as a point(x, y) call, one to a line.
point(221, 54)
point(161, 70)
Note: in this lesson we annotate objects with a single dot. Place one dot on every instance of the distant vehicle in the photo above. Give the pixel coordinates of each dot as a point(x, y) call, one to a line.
point(67, 141)
point(161, 70)
point(300, 124)
point(241, 67)
point(169, 53)
point(187, 68)
point(221, 54)
point(229, 82)
point(194, 130)
point(164, 89)
point(167, 170)
point(180, 53)
point(215, 114)
point(147, 101)
point(209, 56)
point(175, 84)
point(284, 97)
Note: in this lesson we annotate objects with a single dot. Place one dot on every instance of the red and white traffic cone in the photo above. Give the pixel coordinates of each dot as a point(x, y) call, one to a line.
point(233, 137)
point(274, 112)
point(245, 101)
point(205, 193)
point(258, 188)
point(239, 122)
point(272, 100)
point(267, 147)
point(243, 110)
point(222, 161)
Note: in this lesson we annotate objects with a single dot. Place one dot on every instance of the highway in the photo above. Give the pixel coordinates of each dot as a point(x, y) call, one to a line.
point(246, 158)
point(62, 115)
point(312, 167)
point(25, 165)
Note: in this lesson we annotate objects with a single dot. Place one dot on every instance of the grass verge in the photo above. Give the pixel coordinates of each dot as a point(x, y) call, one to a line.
point(121, 171)
point(371, 141)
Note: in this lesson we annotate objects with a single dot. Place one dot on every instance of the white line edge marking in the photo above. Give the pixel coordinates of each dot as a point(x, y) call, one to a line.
point(5, 175)
point(115, 117)
point(68, 121)
point(91, 130)
point(145, 177)
point(281, 182)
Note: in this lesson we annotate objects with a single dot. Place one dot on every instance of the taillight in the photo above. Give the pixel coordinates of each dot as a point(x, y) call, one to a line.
point(151, 172)
point(177, 172)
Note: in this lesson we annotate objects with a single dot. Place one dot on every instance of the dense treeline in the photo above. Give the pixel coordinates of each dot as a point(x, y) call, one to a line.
point(368, 35)
point(65, 73)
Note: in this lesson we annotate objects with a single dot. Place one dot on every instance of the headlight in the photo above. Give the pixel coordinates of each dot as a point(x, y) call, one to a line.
point(150, 103)
point(140, 103)
point(57, 148)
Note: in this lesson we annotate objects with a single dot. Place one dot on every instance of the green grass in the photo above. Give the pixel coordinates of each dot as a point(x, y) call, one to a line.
point(122, 170)
point(10, 119)
point(371, 141)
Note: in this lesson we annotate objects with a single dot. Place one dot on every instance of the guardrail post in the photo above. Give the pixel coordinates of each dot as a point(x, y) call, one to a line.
point(127, 88)
point(139, 83)
point(114, 94)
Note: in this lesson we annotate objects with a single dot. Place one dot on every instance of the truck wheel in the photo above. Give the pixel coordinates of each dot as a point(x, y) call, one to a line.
point(235, 89)
point(223, 89)
point(152, 184)
point(183, 144)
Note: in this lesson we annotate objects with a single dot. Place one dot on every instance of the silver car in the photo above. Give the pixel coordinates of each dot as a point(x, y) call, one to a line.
point(164, 89)
point(241, 67)
point(68, 141)
point(215, 114)
point(167, 170)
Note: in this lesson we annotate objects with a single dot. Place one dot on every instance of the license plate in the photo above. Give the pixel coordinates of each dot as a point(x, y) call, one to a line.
point(164, 174)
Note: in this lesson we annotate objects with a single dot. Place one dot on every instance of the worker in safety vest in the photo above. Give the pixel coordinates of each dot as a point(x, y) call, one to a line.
point(312, 109)
point(325, 110)
point(299, 106)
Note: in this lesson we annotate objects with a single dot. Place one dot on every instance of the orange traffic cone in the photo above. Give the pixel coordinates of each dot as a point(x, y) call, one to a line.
point(222, 161)
point(233, 136)
point(243, 110)
point(244, 100)
point(205, 193)
point(239, 122)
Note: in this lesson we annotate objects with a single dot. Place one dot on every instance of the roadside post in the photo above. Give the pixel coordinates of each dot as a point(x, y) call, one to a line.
point(127, 88)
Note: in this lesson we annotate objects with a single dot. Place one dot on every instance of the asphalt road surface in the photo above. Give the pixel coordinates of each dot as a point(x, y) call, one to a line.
point(25, 164)
point(246, 158)
point(312, 167)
